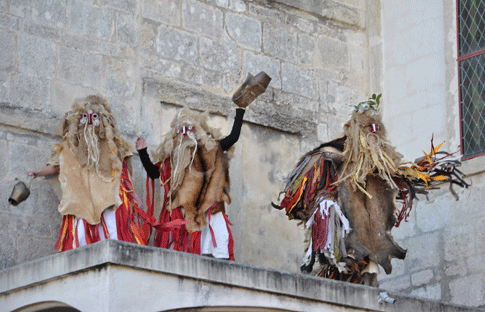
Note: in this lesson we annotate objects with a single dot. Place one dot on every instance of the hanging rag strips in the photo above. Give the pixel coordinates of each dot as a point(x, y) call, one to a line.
point(345, 192)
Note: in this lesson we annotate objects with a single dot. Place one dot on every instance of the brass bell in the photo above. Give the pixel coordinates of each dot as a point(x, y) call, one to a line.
point(20, 193)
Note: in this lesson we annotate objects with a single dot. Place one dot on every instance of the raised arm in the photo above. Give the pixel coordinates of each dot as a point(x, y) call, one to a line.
point(232, 138)
point(151, 169)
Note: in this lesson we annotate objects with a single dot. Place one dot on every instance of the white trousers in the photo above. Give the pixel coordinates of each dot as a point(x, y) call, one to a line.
point(221, 234)
point(109, 216)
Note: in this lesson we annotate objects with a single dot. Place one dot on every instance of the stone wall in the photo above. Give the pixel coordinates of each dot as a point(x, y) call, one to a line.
point(148, 58)
point(444, 237)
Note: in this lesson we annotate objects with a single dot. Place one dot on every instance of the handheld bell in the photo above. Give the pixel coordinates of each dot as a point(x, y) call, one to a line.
point(20, 193)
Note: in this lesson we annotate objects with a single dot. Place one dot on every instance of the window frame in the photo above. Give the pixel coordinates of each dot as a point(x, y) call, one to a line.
point(459, 59)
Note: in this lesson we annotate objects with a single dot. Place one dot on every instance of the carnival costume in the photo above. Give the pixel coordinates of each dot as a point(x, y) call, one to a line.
point(98, 199)
point(345, 191)
point(193, 167)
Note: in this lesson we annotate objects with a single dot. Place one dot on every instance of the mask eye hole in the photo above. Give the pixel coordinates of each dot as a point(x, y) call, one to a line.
point(95, 116)
point(191, 128)
point(85, 115)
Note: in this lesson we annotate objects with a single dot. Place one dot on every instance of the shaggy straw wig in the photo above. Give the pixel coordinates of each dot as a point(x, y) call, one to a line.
point(182, 151)
point(367, 152)
point(91, 144)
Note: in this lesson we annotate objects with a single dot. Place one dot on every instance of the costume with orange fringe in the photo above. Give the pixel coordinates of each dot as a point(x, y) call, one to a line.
point(97, 197)
point(193, 168)
point(345, 192)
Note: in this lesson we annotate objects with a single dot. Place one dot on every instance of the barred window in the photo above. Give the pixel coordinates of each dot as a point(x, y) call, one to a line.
point(471, 67)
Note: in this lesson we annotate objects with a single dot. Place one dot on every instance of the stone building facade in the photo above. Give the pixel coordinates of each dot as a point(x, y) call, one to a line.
point(151, 57)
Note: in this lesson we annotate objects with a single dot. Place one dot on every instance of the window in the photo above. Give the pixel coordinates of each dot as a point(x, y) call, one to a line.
point(471, 68)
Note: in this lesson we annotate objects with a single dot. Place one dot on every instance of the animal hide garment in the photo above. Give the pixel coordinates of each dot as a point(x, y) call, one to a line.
point(84, 193)
point(205, 185)
point(371, 220)
point(199, 178)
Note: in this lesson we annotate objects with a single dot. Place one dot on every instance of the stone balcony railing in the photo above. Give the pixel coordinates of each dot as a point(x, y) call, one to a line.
point(119, 276)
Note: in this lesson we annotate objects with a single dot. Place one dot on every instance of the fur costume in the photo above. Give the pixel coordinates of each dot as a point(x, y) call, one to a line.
point(345, 192)
point(199, 176)
point(95, 175)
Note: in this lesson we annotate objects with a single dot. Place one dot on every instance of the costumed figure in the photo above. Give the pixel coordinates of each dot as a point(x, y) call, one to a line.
point(193, 166)
point(345, 191)
point(93, 164)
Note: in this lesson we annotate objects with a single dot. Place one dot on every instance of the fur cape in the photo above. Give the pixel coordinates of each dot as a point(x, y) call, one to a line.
point(80, 172)
point(199, 178)
point(355, 172)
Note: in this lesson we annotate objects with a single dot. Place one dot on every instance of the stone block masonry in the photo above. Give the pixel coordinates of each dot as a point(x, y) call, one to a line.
point(149, 58)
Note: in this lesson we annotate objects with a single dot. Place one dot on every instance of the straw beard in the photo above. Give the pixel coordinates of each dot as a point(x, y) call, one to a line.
point(92, 145)
point(182, 157)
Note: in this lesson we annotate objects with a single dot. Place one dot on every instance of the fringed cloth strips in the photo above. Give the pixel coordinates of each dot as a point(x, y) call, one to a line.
point(130, 221)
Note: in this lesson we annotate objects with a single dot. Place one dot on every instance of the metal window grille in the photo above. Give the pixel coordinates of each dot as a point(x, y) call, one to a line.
point(471, 68)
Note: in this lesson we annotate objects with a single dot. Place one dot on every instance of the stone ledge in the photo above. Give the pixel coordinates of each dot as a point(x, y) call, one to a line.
point(27, 119)
point(131, 273)
point(263, 111)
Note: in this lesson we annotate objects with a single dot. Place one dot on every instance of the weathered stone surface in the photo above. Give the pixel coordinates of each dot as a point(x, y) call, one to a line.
point(429, 291)
point(244, 30)
point(164, 11)
point(120, 77)
point(423, 251)
point(29, 92)
point(34, 248)
point(25, 156)
point(306, 49)
point(47, 32)
point(305, 25)
point(51, 11)
point(322, 133)
point(341, 99)
point(458, 241)
point(20, 8)
point(266, 12)
point(475, 264)
point(297, 101)
point(299, 81)
point(202, 18)
point(201, 76)
point(3, 158)
point(221, 57)
point(237, 5)
point(255, 63)
point(148, 34)
point(333, 53)
point(467, 290)
point(426, 215)
point(8, 245)
point(4, 87)
point(280, 43)
point(64, 94)
point(27, 119)
point(333, 10)
point(396, 284)
point(92, 20)
point(126, 29)
point(125, 5)
point(3, 5)
point(86, 71)
point(37, 57)
point(9, 48)
point(455, 268)
point(421, 278)
point(177, 44)
point(222, 3)
point(9, 22)
point(155, 66)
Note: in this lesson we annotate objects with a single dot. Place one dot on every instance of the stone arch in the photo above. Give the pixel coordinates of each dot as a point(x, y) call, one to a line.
point(47, 306)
